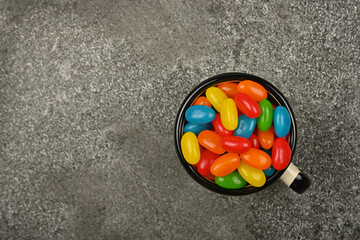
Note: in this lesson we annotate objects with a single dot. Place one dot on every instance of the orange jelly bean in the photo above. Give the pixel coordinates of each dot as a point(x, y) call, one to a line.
point(253, 90)
point(266, 138)
point(256, 158)
point(211, 141)
point(229, 88)
point(202, 101)
point(225, 164)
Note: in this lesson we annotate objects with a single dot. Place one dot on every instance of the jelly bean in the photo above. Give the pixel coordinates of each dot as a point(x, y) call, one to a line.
point(247, 105)
point(229, 114)
point(190, 148)
point(265, 119)
point(211, 141)
point(225, 164)
point(215, 97)
point(253, 90)
point(199, 114)
point(245, 126)
point(254, 140)
point(210, 177)
point(229, 88)
point(235, 144)
point(253, 176)
point(206, 159)
point(266, 139)
point(202, 101)
point(201, 149)
point(231, 181)
point(268, 151)
point(270, 171)
point(281, 154)
point(255, 129)
point(256, 158)
point(282, 121)
point(219, 127)
point(196, 128)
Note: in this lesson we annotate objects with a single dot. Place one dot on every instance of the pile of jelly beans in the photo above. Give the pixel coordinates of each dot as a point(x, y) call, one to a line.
point(234, 136)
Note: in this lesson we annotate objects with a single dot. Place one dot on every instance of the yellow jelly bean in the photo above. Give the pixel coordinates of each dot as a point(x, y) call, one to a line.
point(216, 97)
point(190, 148)
point(229, 114)
point(253, 176)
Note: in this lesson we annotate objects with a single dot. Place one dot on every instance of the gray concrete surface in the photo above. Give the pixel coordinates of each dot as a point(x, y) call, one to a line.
point(88, 95)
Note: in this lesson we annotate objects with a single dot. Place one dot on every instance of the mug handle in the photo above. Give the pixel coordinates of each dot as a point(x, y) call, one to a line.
point(295, 179)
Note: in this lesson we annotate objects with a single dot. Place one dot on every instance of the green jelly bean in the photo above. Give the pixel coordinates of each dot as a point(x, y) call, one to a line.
point(265, 119)
point(231, 181)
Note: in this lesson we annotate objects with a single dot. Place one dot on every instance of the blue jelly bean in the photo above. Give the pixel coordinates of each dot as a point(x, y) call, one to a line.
point(199, 114)
point(245, 126)
point(270, 171)
point(282, 121)
point(196, 128)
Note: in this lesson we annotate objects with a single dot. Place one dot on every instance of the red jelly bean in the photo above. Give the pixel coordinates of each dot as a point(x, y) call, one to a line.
point(235, 144)
point(206, 159)
point(247, 105)
point(281, 154)
point(210, 177)
point(201, 149)
point(239, 112)
point(211, 141)
point(254, 140)
point(219, 127)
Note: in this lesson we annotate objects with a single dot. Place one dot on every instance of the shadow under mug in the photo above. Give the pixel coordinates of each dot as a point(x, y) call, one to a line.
point(291, 175)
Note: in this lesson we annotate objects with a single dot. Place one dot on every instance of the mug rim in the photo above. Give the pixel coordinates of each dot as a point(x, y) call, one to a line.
point(200, 89)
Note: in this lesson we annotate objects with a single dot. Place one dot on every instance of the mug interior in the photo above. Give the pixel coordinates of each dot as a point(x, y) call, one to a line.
point(274, 96)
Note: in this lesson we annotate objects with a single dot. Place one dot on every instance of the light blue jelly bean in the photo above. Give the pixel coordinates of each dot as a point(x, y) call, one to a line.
point(282, 121)
point(245, 126)
point(196, 128)
point(199, 114)
point(269, 172)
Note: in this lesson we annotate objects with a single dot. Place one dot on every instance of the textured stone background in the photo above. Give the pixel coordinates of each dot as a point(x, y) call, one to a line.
point(88, 95)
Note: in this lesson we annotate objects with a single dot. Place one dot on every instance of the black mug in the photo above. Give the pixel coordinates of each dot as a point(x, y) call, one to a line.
point(291, 175)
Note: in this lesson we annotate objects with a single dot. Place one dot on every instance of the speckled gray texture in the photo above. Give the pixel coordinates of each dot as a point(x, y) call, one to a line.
point(88, 95)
